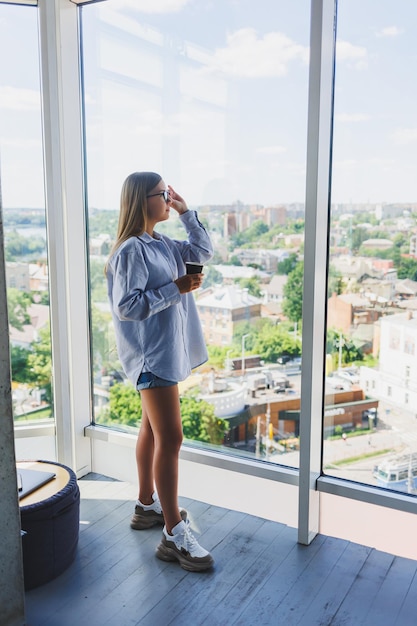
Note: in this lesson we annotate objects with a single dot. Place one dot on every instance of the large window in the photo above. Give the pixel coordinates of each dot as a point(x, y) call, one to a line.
point(370, 424)
point(214, 97)
point(23, 203)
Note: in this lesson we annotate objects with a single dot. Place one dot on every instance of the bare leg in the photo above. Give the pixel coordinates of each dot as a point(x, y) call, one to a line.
point(162, 407)
point(144, 460)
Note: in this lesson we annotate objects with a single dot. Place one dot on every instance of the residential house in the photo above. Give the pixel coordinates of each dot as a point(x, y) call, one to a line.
point(349, 310)
point(222, 309)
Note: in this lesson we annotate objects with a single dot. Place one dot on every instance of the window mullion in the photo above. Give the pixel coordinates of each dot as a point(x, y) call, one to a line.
point(64, 190)
point(322, 42)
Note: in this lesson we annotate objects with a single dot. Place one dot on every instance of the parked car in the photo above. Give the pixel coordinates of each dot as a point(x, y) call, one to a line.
point(348, 373)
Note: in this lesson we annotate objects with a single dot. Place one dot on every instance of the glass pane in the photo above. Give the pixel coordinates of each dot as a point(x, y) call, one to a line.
point(214, 97)
point(22, 184)
point(370, 423)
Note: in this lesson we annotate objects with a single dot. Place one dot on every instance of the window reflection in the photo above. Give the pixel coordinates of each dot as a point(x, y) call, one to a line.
point(215, 99)
point(371, 431)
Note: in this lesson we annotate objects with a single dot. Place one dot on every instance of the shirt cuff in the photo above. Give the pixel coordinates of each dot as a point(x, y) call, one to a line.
point(171, 293)
point(190, 219)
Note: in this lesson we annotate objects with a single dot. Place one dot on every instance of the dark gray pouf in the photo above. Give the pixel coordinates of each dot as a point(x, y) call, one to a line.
point(52, 528)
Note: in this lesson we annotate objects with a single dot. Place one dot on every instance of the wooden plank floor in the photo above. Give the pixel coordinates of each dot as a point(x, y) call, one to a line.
point(261, 575)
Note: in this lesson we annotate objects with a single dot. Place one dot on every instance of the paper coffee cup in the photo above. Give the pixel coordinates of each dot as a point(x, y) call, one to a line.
point(193, 268)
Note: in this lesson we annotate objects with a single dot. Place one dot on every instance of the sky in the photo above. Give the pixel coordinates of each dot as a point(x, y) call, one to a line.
point(213, 95)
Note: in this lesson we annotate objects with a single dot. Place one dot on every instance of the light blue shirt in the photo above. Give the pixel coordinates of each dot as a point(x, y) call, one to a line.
point(157, 329)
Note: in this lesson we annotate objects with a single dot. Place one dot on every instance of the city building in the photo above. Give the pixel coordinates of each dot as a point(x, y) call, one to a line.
point(17, 276)
point(266, 259)
point(223, 309)
point(39, 278)
point(39, 319)
point(348, 310)
point(395, 379)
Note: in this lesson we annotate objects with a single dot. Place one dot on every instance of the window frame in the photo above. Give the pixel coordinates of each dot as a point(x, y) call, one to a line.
point(65, 188)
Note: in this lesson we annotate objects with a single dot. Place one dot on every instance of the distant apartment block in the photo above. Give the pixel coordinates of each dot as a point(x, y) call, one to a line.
point(100, 246)
point(396, 378)
point(236, 221)
point(222, 309)
point(266, 259)
point(353, 268)
point(17, 276)
point(275, 215)
point(230, 273)
point(27, 276)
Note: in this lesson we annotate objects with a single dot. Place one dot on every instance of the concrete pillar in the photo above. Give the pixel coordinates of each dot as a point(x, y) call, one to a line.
point(12, 610)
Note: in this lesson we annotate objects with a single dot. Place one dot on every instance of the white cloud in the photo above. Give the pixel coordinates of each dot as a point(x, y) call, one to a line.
point(354, 56)
point(16, 99)
point(150, 6)
point(271, 150)
point(404, 136)
point(250, 56)
point(352, 117)
point(389, 31)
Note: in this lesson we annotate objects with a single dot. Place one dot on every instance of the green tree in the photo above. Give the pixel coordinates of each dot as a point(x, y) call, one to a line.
point(125, 406)
point(19, 246)
point(244, 328)
point(335, 282)
point(18, 303)
point(234, 260)
point(101, 331)
point(407, 268)
point(97, 281)
point(350, 352)
point(102, 221)
point(257, 229)
point(198, 418)
point(211, 277)
point(292, 305)
point(359, 235)
point(199, 421)
point(251, 284)
point(287, 265)
point(250, 235)
point(40, 362)
point(273, 341)
point(21, 371)
point(40, 297)
point(217, 356)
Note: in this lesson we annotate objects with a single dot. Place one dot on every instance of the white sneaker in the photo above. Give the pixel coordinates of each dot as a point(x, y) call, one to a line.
point(148, 515)
point(183, 547)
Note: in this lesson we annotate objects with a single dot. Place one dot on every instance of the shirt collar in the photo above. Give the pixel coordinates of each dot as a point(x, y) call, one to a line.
point(146, 237)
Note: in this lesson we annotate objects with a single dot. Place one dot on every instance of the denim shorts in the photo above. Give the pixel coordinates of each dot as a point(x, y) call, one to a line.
point(147, 380)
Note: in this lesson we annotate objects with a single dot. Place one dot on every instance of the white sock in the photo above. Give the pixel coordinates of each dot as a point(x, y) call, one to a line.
point(147, 506)
point(179, 528)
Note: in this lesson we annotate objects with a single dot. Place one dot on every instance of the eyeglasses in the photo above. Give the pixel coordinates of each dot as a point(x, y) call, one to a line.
point(164, 193)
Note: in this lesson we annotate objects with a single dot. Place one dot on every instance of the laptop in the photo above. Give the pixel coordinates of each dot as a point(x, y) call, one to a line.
point(30, 480)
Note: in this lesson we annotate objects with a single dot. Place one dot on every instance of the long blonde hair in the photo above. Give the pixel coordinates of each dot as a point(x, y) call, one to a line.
point(133, 207)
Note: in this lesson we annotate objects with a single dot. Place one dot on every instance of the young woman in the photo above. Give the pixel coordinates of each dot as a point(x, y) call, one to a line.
point(159, 341)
